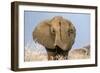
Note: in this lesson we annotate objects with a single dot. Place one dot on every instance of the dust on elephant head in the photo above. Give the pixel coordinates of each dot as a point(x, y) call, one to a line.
point(57, 32)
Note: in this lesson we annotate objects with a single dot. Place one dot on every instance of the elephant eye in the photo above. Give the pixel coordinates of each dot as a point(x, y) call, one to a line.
point(70, 31)
point(52, 31)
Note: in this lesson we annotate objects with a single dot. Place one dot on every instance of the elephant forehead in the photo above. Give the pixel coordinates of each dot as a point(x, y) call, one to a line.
point(61, 21)
point(57, 18)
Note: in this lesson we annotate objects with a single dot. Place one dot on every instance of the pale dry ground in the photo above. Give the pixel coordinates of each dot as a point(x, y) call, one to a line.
point(80, 53)
point(38, 53)
point(34, 56)
point(35, 52)
point(73, 54)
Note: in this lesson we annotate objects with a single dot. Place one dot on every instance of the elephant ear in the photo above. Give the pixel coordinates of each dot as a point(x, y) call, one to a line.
point(42, 34)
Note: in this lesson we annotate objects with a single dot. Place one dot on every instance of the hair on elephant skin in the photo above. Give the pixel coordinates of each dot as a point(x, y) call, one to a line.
point(56, 33)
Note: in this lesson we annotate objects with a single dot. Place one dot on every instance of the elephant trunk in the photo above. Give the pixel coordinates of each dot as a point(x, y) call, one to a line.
point(59, 41)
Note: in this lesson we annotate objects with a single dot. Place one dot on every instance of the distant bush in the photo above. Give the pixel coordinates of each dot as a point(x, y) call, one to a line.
point(82, 53)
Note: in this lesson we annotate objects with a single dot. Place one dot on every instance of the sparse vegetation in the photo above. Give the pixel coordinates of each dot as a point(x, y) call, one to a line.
point(82, 53)
point(41, 55)
point(34, 56)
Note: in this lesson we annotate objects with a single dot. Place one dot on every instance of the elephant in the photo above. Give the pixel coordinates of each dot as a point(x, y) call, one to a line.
point(57, 35)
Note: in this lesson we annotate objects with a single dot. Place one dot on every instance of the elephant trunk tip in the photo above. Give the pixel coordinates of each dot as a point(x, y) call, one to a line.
point(62, 47)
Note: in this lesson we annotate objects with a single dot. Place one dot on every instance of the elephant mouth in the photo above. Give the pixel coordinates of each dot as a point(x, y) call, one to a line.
point(57, 53)
point(59, 50)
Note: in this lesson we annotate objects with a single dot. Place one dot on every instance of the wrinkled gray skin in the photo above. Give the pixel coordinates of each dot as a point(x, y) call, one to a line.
point(58, 32)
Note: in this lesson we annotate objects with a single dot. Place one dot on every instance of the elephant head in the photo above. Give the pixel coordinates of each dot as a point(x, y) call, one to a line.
point(57, 32)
